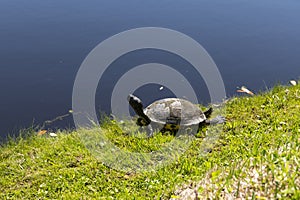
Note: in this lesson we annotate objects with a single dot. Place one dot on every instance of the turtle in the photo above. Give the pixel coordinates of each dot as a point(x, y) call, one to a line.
point(169, 114)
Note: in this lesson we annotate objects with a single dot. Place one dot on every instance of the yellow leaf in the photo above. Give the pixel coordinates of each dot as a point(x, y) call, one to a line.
point(42, 132)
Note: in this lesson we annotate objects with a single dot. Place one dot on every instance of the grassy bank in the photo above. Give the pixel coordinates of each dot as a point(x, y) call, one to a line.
point(257, 156)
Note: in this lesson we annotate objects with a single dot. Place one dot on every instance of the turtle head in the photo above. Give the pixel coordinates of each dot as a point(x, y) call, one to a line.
point(135, 103)
point(138, 108)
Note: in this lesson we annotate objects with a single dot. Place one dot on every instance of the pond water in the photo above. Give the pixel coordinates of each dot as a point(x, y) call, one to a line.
point(43, 43)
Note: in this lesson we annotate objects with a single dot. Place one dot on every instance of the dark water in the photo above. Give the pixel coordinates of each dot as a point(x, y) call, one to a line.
point(43, 43)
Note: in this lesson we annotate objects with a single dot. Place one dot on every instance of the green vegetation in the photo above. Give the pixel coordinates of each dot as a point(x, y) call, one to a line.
point(257, 156)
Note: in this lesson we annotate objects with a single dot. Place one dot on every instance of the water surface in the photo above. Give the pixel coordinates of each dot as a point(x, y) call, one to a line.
point(43, 43)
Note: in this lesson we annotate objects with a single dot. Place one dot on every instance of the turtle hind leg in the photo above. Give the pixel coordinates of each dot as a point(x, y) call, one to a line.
point(201, 125)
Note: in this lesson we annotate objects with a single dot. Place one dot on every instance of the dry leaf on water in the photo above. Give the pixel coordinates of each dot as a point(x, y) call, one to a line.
point(42, 132)
point(245, 90)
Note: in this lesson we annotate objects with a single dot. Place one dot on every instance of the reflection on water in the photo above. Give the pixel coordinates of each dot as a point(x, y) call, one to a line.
point(43, 43)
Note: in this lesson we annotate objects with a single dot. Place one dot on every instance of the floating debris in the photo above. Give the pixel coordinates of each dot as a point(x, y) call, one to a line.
point(53, 134)
point(245, 90)
point(293, 82)
point(56, 119)
point(42, 132)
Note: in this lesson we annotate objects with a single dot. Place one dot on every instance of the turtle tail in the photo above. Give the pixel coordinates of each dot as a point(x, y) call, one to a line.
point(208, 112)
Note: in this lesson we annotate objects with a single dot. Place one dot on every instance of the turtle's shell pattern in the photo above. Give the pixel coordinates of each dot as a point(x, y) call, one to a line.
point(162, 110)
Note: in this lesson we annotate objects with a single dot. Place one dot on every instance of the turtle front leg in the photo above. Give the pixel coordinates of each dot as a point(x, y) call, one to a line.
point(148, 129)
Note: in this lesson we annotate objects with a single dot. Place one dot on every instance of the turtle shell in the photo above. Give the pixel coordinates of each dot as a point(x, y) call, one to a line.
point(174, 111)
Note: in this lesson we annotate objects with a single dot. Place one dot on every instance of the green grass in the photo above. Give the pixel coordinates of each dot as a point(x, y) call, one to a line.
point(257, 156)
